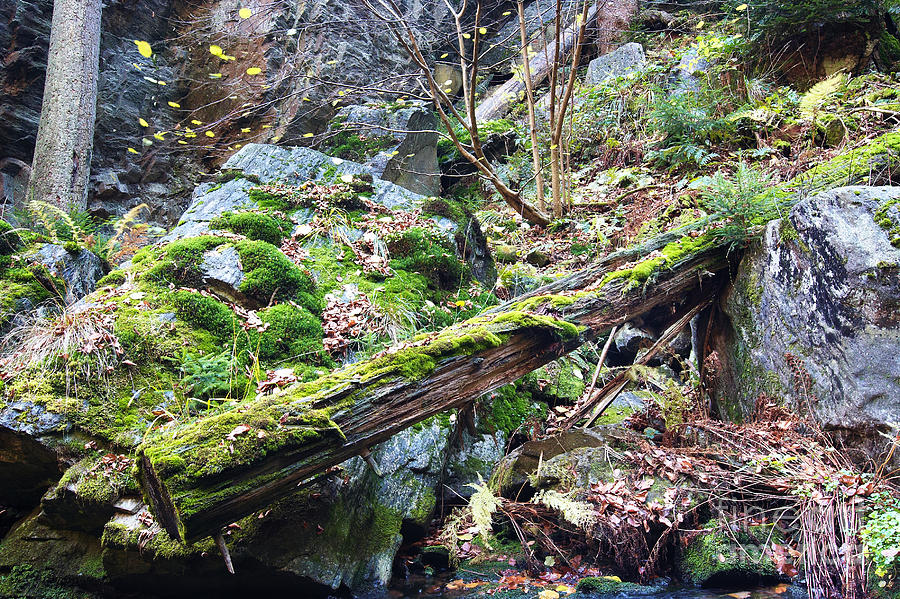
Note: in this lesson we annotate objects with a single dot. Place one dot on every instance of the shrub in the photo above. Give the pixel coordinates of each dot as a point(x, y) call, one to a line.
point(778, 19)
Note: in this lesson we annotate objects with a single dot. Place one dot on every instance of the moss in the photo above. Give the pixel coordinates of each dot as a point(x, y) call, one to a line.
point(270, 275)
point(27, 582)
point(181, 261)
point(253, 225)
point(116, 535)
point(888, 218)
point(9, 238)
point(607, 585)
point(350, 145)
point(292, 333)
point(205, 312)
point(26, 286)
point(230, 174)
point(112, 279)
point(510, 407)
point(428, 253)
point(881, 155)
point(716, 558)
point(888, 48)
point(95, 484)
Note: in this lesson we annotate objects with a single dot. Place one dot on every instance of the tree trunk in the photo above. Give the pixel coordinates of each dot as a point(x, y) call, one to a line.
point(498, 102)
point(205, 475)
point(62, 154)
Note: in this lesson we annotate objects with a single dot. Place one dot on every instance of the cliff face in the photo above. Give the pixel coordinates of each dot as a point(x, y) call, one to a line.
point(312, 59)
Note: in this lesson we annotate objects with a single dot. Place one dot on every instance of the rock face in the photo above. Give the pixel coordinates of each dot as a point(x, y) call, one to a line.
point(411, 160)
point(820, 297)
point(621, 62)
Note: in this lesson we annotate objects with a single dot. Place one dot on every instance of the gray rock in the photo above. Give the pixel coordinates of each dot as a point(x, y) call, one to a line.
point(412, 162)
point(823, 285)
point(222, 273)
point(630, 339)
point(273, 164)
point(684, 77)
point(80, 270)
point(621, 62)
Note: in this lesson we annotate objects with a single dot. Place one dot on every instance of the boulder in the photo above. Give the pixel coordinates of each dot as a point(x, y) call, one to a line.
point(814, 312)
point(80, 269)
point(621, 62)
point(261, 164)
point(684, 77)
point(410, 137)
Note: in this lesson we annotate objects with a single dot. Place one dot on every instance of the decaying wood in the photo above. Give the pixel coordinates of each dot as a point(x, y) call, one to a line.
point(605, 396)
point(383, 405)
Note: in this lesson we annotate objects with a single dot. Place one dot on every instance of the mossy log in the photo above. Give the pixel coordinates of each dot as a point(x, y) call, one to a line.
point(207, 474)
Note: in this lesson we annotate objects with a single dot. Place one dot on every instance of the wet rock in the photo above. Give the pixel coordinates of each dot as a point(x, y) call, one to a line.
point(621, 62)
point(722, 558)
point(819, 297)
point(80, 269)
point(27, 466)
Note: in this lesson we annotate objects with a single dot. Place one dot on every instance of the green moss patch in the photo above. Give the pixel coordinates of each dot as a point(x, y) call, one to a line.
point(254, 225)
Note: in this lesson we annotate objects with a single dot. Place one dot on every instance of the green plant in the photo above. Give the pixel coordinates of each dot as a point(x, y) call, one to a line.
point(206, 376)
point(881, 538)
point(691, 124)
point(740, 204)
point(775, 19)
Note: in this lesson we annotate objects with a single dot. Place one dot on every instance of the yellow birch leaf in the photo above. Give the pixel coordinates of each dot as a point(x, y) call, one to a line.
point(254, 71)
point(133, 151)
point(196, 122)
point(210, 134)
point(245, 13)
point(482, 30)
point(182, 142)
point(215, 50)
point(467, 35)
point(174, 104)
point(741, 7)
point(215, 75)
point(144, 48)
point(159, 135)
point(445, 55)
point(143, 123)
point(245, 130)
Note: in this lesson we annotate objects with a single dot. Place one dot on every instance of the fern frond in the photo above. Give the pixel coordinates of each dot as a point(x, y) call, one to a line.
point(50, 217)
point(819, 93)
point(483, 503)
point(577, 513)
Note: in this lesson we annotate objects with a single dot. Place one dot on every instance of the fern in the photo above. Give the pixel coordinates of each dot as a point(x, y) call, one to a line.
point(818, 94)
point(577, 513)
point(57, 223)
point(483, 504)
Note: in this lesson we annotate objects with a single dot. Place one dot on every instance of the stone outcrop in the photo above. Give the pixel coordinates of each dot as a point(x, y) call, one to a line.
point(814, 311)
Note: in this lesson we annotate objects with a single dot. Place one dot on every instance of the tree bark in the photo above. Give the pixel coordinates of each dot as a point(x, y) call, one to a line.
point(204, 477)
point(499, 101)
point(62, 153)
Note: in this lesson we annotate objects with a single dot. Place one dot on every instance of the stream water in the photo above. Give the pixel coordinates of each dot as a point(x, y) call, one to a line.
point(422, 587)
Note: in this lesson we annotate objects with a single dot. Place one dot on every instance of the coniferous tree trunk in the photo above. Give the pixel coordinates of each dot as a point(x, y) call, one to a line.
point(62, 154)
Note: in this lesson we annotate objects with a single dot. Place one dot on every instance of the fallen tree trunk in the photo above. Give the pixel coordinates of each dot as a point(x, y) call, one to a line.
point(499, 101)
point(202, 476)
point(221, 468)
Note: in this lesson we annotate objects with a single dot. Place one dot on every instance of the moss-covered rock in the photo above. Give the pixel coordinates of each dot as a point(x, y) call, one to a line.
point(720, 557)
